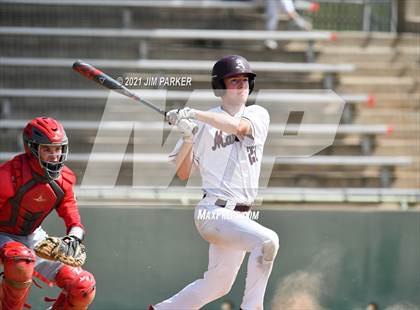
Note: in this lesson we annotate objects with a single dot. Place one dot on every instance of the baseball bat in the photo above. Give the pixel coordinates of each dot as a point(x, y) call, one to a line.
point(105, 80)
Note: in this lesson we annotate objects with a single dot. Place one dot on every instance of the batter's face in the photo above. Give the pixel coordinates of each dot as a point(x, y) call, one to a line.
point(237, 89)
point(50, 153)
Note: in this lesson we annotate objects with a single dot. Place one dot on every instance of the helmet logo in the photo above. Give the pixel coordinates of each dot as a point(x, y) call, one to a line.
point(239, 64)
point(40, 199)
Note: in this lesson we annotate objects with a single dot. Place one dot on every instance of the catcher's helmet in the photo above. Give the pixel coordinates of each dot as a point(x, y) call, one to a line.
point(45, 131)
point(230, 66)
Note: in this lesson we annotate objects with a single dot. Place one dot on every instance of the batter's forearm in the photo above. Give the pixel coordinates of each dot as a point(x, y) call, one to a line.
point(224, 122)
point(184, 161)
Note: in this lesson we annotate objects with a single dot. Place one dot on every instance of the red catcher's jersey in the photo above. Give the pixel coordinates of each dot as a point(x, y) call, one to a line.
point(26, 198)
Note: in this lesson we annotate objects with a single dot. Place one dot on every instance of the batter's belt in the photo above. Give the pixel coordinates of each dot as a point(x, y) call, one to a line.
point(241, 207)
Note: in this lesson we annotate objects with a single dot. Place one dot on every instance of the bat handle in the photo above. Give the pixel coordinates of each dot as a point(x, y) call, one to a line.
point(194, 128)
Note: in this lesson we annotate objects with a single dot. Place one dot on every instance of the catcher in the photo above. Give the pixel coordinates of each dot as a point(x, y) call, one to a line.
point(32, 185)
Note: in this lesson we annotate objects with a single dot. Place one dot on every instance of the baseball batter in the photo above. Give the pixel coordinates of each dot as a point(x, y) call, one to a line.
point(227, 150)
point(33, 184)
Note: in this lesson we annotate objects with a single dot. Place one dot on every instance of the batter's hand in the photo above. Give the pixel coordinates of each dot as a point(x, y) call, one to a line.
point(186, 113)
point(174, 116)
point(187, 128)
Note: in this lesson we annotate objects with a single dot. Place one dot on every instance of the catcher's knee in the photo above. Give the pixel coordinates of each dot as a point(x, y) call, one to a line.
point(79, 285)
point(19, 262)
point(270, 248)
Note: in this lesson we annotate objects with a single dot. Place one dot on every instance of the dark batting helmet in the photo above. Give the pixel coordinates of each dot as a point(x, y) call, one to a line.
point(229, 66)
point(45, 131)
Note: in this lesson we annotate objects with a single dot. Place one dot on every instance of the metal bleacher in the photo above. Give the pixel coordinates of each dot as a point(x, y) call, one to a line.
point(329, 71)
point(36, 79)
point(164, 34)
point(274, 195)
point(158, 161)
point(365, 133)
point(145, 36)
point(17, 98)
point(299, 4)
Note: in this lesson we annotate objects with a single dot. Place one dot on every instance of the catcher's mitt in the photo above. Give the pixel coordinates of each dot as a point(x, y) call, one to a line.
point(68, 250)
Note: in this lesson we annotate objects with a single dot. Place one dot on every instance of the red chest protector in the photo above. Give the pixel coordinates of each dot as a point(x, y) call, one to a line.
point(35, 197)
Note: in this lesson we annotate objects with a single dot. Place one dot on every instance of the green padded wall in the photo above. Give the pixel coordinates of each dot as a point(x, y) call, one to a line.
point(338, 259)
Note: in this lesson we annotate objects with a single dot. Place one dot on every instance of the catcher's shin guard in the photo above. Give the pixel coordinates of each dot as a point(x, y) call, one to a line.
point(18, 262)
point(78, 288)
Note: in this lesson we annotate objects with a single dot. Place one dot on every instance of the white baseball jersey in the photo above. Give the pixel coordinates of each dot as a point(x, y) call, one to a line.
point(230, 168)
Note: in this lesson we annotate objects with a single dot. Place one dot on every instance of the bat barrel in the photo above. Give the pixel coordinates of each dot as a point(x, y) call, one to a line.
point(104, 80)
point(96, 75)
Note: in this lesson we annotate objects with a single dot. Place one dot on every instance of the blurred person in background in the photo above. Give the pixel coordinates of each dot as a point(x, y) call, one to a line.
point(272, 8)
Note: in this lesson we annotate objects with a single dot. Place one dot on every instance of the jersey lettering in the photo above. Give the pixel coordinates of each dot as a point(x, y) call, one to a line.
point(218, 140)
point(252, 154)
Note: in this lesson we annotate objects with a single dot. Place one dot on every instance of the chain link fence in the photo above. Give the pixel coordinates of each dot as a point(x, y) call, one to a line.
point(356, 15)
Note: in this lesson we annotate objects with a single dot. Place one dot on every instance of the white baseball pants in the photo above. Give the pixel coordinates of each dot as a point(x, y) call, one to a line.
point(230, 235)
